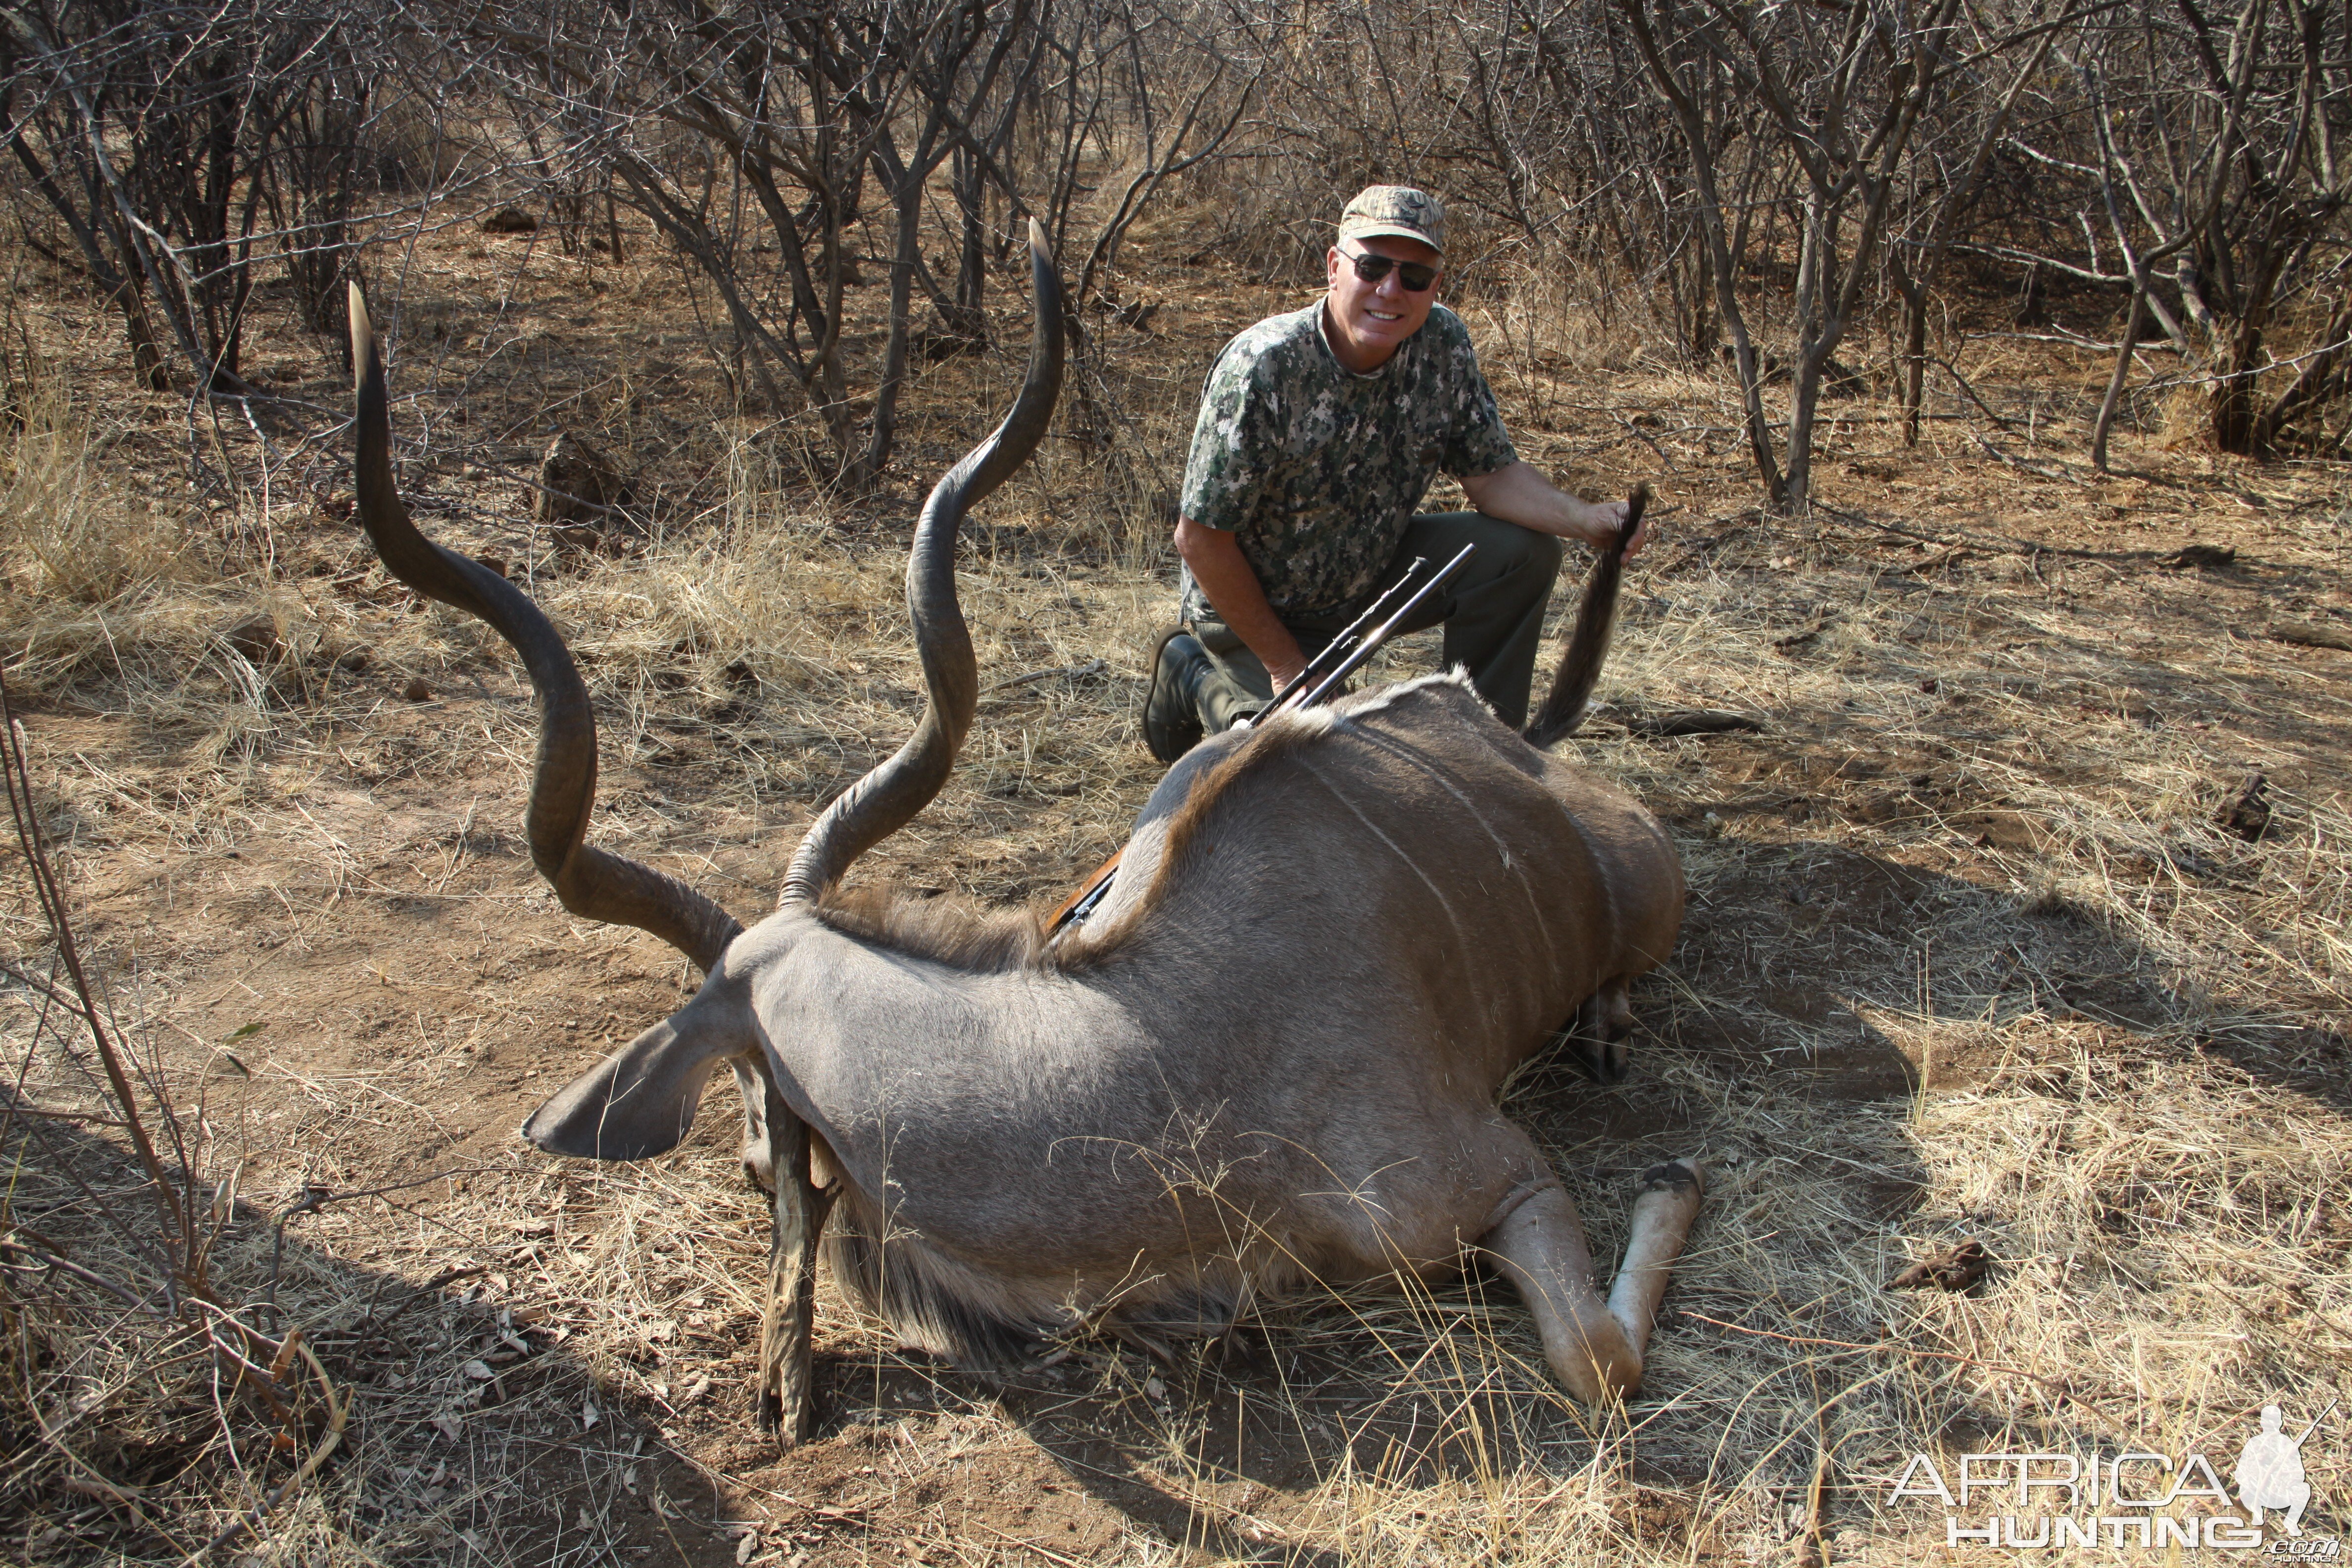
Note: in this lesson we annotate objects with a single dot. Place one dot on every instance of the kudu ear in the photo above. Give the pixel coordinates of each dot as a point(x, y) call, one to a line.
point(639, 1101)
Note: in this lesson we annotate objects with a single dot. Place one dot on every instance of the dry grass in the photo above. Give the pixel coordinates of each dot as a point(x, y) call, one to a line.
point(63, 534)
point(1967, 957)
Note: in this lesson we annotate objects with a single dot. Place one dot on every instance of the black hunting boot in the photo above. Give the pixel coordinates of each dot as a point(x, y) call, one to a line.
point(1172, 722)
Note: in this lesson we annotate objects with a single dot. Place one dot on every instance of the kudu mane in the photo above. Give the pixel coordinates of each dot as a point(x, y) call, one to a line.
point(944, 928)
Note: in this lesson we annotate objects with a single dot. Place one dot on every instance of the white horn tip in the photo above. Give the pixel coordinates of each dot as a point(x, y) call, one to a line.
point(1038, 246)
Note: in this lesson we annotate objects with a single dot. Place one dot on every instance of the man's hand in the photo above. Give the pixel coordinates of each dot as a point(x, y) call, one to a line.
point(1517, 493)
point(1603, 520)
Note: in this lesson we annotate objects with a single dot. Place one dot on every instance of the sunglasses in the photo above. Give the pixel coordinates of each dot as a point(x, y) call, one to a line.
point(1415, 276)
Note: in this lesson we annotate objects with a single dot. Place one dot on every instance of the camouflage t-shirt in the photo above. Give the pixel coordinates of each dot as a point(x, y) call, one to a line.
point(1315, 469)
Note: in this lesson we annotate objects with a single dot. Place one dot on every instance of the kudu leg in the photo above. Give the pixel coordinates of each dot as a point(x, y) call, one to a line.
point(751, 1082)
point(1594, 1346)
point(1661, 1220)
point(786, 1402)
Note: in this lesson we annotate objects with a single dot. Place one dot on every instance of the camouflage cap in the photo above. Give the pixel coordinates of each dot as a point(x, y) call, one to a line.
point(1398, 210)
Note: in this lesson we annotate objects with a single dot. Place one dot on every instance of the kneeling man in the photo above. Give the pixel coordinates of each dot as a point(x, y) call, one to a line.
point(1318, 434)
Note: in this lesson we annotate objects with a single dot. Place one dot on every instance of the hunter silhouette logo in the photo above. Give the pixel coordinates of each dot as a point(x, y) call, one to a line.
point(2269, 1470)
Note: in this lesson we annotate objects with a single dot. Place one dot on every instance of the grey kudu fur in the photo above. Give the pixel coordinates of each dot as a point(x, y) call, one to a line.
point(1269, 1059)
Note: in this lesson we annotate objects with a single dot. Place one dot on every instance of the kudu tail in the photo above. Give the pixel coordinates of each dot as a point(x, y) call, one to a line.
point(1588, 645)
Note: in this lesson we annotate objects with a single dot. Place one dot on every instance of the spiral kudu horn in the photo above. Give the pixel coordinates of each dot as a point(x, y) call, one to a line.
point(885, 799)
point(589, 881)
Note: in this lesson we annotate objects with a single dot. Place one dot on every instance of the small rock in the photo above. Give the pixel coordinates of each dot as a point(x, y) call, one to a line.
point(509, 220)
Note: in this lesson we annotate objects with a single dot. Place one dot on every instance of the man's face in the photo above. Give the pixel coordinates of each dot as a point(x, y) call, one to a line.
point(1369, 321)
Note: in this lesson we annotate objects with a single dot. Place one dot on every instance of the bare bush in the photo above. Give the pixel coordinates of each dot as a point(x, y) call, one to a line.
point(159, 137)
point(121, 1343)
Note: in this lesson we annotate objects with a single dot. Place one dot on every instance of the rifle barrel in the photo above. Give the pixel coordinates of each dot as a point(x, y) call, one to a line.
point(1386, 629)
point(1339, 648)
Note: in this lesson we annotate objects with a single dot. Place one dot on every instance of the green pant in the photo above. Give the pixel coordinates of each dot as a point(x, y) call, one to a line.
point(1492, 611)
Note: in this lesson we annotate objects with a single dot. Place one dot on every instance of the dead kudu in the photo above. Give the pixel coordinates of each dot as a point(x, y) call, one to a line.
point(1143, 1123)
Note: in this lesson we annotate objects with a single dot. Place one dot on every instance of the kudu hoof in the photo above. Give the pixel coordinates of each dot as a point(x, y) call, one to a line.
point(1595, 1040)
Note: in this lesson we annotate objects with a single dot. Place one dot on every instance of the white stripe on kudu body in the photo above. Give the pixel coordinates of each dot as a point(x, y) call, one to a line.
point(1270, 1057)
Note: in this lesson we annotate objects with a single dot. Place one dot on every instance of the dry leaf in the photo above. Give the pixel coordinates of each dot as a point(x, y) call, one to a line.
point(1956, 1268)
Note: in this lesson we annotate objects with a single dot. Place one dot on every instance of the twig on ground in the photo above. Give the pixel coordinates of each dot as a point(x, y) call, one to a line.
point(1962, 381)
point(67, 1265)
point(424, 1292)
point(176, 1221)
point(2039, 470)
point(314, 1200)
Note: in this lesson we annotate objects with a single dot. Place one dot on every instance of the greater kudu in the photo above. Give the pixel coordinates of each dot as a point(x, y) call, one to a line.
point(1270, 1057)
